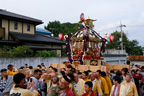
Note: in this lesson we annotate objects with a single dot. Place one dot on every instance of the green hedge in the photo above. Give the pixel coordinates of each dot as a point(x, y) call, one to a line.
point(22, 51)
point(51, 53)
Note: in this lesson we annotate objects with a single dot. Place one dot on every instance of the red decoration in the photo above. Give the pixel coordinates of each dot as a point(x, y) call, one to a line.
point(97, 57)
point(61, 37)
point(75, 57)
point(88, 57)
point(82, 17)
point(111, 38)
point(97, 50)
point(75, 51)
point(86, 33)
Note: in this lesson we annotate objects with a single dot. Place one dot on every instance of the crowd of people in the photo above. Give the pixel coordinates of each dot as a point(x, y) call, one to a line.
point(50, 81)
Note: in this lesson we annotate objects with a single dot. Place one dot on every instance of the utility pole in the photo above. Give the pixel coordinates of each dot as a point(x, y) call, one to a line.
point(121, 34)
point(52, 30)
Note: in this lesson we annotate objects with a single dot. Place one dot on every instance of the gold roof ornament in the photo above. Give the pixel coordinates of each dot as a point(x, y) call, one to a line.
point(106, 37)
point(86, 21)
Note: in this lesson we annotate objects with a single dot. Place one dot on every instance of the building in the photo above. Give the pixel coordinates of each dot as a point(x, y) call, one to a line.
point(19, 30)
point(114, 56)
point(143, 50)
point(43, 31)
point(136, 59)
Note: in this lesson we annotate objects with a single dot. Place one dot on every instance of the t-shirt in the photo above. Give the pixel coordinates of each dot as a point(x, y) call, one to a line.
point(37, 84)
point(20, 91)
point(54, 90)
point(111, 77)
point(76, 86)
point(142, 74)
point(2, 83)
point(92, 94)
point(68, 92)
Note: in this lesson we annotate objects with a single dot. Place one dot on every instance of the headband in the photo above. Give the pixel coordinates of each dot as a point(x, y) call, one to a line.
point(67, 79)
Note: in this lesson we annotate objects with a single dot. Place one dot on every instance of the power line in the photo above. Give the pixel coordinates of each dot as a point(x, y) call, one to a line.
point(122, 26)
point(107, 29)
point(135, 26)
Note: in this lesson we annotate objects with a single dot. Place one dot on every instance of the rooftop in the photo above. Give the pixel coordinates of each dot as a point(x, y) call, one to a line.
point(36, 38)
point(42, 31)
point(10, 15)
point(136, 58)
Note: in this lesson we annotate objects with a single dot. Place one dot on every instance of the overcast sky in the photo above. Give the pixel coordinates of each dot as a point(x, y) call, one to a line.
point(108, 13)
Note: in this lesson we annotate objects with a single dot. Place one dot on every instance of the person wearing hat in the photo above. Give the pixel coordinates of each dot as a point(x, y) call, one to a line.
point(6, 83)
point(64, 85)
point(10, 71)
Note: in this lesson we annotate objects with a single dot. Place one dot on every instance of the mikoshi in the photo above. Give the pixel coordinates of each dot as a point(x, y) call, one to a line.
point(85, 46)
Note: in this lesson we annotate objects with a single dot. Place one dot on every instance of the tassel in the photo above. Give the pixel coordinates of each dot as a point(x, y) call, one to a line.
point(79, 45)
point(95, 45)
point(74, 44)
point(89, 44)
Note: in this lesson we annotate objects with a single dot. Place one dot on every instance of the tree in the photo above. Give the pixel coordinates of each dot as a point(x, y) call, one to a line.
point(56, 27)
point(21, 51)
point(44, 54)
point(131, 47)
point(5, 51)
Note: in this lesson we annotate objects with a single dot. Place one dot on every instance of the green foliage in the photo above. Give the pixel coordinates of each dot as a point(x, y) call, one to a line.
point(67, 28)
point(51, 53)
point(5, 51)
point(116, 43)
point(21, 51)
point(131, 47)
point(64, 51)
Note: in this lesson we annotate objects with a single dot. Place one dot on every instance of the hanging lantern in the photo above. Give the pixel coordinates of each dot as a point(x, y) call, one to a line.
point(111, 38)
point(61, 37)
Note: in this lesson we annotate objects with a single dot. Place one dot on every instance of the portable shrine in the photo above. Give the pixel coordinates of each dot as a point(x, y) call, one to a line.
point(85, 46)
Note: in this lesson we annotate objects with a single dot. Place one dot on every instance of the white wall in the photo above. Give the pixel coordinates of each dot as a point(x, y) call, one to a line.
point(34, 61)
point(31, 61)
point(115, 59)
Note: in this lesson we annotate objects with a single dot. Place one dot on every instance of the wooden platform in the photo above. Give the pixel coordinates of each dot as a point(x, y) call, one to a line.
point(116, 66)
point(105, 68)
point(81, 67)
